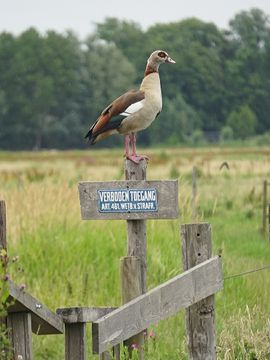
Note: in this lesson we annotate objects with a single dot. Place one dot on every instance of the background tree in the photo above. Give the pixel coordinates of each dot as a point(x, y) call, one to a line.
point(176, 122)
point(41, 88)
point(243, 122)
point(247, 67)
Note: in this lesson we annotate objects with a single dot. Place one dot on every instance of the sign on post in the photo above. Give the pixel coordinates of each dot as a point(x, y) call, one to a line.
point(129, 200)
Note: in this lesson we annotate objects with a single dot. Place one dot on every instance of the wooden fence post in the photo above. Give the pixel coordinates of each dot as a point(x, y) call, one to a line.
point(136, 245)
point(200, 317)
point(106, 355)
point(136, 229)
point(131, 288)
point(3, 226)
point(3, 245)
point(264, 204)
point(75, 341)
point(21, 335)
point(75, 320)
point(25, 313)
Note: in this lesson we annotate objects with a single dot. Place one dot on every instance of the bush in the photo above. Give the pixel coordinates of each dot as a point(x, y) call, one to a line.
point(197, 138)
point(243, 122)
point(263, 139)
point(226, 134)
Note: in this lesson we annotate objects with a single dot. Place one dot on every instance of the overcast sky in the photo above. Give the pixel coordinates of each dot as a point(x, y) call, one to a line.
point(81, 15)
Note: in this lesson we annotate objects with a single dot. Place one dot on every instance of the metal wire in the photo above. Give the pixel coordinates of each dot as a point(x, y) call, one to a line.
point(247, 272)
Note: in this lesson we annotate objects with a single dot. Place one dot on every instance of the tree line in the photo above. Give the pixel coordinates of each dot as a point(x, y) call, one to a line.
point(54, 85)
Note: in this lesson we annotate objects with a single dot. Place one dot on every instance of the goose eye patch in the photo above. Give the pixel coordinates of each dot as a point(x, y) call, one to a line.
point(162, 54)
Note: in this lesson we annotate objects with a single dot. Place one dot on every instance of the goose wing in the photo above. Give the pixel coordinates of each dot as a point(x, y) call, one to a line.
point(126, 104)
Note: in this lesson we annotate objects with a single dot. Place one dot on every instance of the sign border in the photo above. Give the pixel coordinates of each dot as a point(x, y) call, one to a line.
point(127, 211)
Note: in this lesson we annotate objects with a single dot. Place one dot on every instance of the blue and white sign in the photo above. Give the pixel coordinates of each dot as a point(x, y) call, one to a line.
point(127, 200)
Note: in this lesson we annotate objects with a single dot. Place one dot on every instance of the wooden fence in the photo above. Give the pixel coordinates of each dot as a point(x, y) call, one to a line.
point(134, 200)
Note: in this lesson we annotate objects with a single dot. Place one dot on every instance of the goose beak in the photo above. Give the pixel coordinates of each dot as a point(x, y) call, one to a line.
point(170, 60)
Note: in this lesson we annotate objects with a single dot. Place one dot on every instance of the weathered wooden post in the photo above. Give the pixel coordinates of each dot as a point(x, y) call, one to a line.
point(75, 341)
point(134, 266)
point(130, 269)
point(200, 317)
point(136, 229)
point(3, 245)
point(75, 320)
point(264, 204)
point(20, 323)
point(25, 314)
point(3, 226)
point(21, 335)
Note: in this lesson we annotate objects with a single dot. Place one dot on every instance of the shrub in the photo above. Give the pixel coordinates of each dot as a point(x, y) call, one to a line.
point(243, 122)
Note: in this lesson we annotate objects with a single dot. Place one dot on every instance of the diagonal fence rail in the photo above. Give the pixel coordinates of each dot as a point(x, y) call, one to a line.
point(158, 304)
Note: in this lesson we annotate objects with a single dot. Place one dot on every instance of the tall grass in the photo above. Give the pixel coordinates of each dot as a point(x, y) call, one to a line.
point(65, 261)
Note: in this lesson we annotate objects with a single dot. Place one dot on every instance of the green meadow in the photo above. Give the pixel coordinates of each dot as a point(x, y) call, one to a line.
point(65, 261)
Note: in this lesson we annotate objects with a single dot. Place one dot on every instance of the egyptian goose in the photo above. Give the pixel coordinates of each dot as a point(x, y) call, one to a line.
point(133, 111)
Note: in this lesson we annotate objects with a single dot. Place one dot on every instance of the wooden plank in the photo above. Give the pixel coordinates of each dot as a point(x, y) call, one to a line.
point(44, 321)
point(161, 302)
point(200, 317)
point(83, 314)
point(116, 352)
point(3, 226)
point(167, 199)
point(137, 246)
point(21, 335)
point(131, 285)
point(3, 243)
point(75, 341)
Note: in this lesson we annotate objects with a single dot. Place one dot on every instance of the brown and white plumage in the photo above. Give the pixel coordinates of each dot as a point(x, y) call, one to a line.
point(133, 111)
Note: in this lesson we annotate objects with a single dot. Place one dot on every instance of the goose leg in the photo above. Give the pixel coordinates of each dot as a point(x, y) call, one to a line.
point(134, 157)
point(127, 141)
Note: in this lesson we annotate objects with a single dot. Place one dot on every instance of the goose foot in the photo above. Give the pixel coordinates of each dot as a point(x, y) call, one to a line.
point(137, 158)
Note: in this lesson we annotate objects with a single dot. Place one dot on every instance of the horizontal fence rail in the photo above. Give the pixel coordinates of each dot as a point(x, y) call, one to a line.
point(165, 300)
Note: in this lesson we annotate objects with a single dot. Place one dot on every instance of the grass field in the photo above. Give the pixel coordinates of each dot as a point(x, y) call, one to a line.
point(65, 261)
